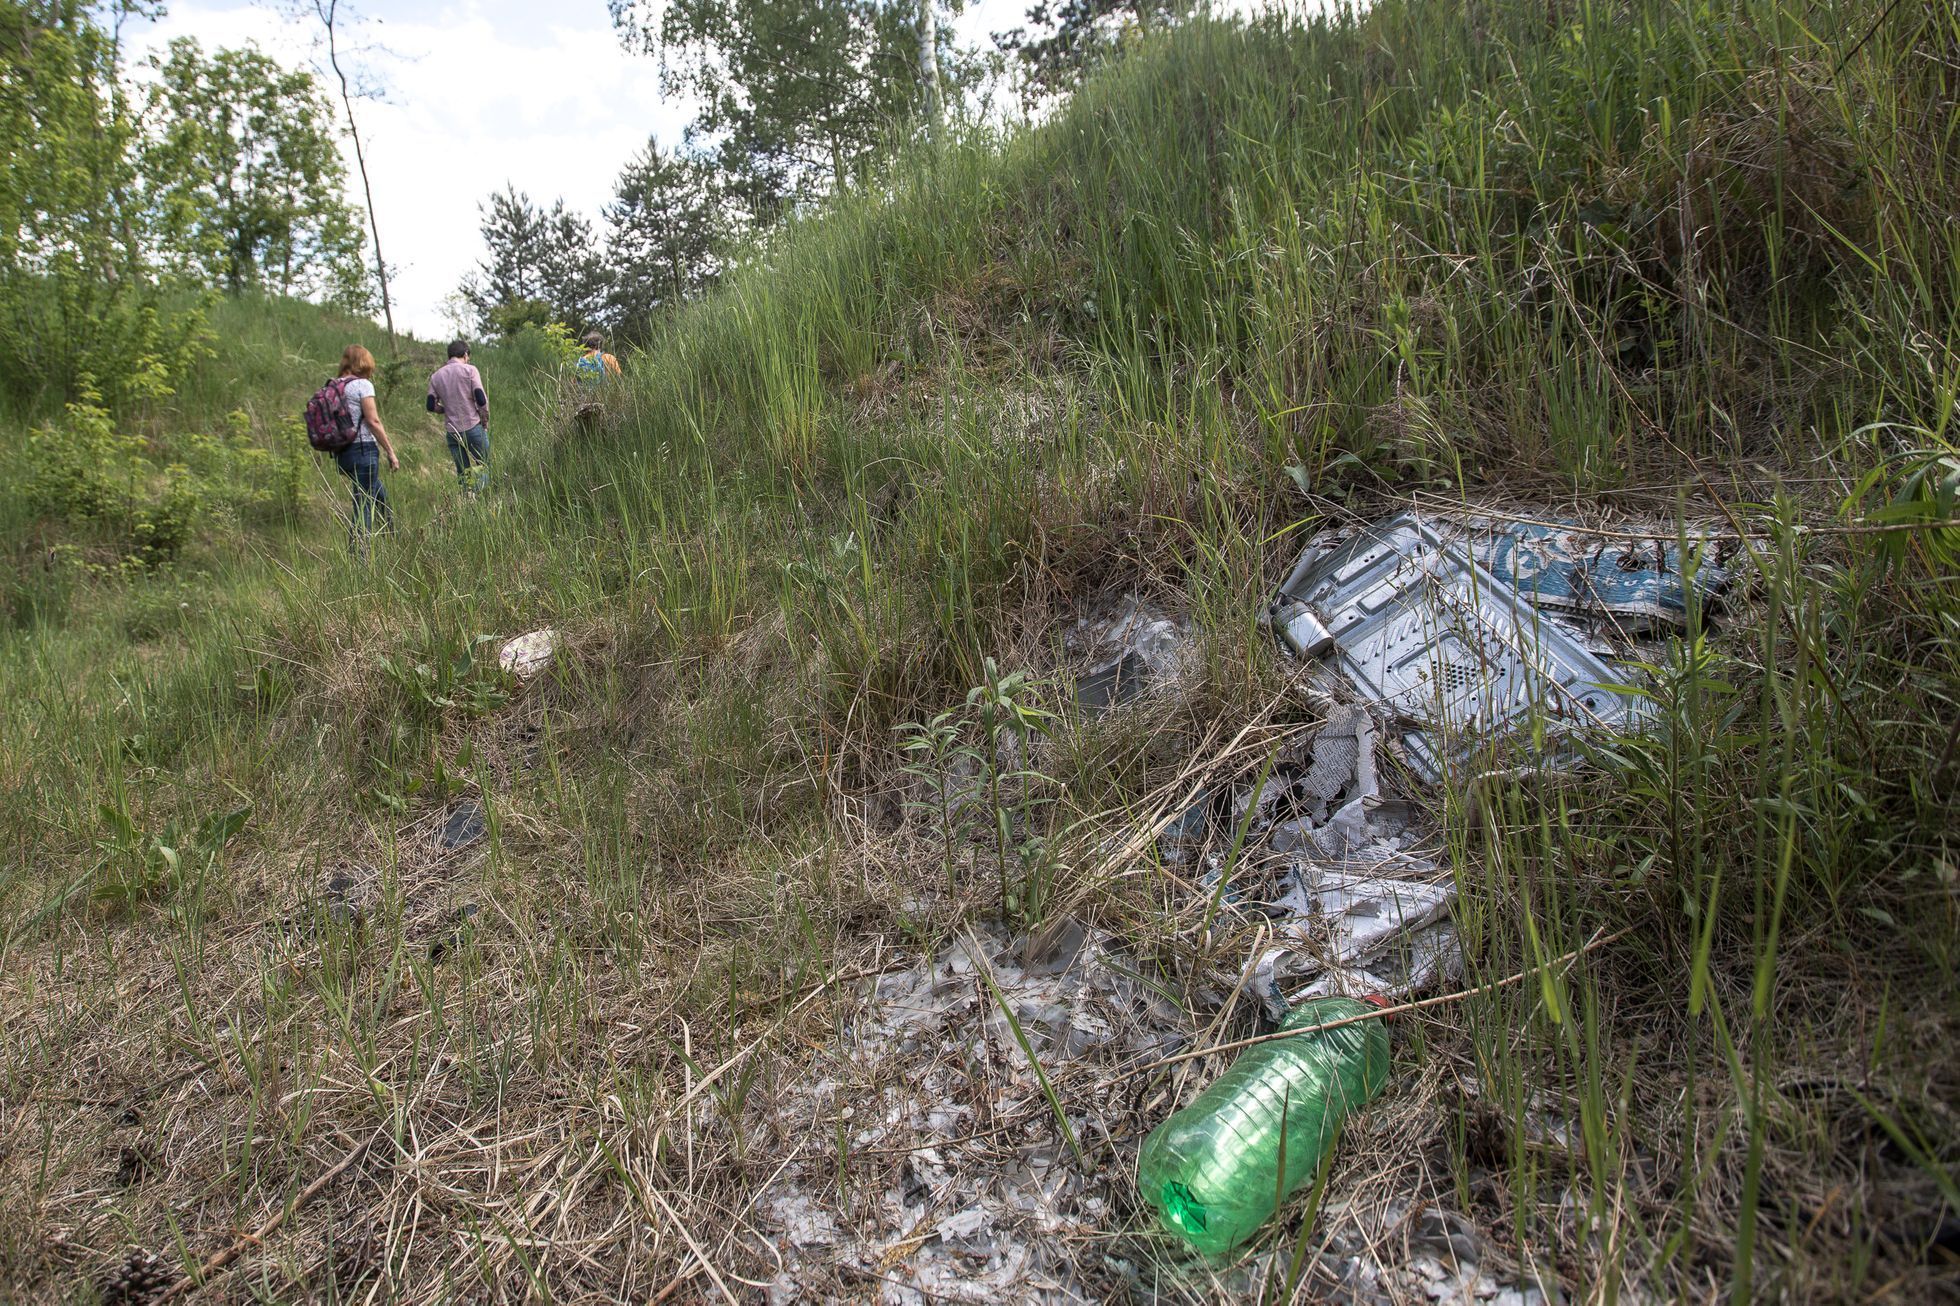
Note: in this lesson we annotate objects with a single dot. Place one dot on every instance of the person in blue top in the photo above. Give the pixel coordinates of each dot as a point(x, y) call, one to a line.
point(596, 370)
point(595, 366)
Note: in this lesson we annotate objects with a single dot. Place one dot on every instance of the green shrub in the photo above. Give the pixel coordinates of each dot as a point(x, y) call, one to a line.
point(241, 480)
point(86, 469)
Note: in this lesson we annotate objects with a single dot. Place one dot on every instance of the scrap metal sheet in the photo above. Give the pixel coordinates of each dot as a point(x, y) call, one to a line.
point(1639, 583)
point(1453, 653)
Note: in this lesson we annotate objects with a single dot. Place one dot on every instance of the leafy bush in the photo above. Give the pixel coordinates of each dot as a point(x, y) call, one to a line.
point(139, 864)
point(87, 469)
point(241, 480)
point(84, 468)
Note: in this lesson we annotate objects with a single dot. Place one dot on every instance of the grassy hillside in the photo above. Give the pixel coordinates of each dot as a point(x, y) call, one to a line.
point(1636, 261)
point(229, 428)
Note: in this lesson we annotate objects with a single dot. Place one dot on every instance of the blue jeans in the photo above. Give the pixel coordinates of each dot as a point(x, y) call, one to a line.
point(470, 451)
point(361, 464)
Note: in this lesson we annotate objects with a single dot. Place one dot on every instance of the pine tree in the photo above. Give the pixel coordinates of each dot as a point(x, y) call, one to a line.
point(545, 265)
point(665, 228)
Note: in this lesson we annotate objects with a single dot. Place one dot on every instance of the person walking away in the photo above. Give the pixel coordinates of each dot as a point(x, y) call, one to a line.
point(360, 461)
point(456, 392)
point(595, 368)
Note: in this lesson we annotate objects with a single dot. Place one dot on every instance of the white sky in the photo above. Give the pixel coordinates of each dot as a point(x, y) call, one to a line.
point(479, 93)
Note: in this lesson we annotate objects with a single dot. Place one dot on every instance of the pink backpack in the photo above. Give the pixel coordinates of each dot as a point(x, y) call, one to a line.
point(329, 426)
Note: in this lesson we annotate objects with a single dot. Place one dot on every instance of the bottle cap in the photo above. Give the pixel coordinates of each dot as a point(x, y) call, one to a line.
point(1378, 1000)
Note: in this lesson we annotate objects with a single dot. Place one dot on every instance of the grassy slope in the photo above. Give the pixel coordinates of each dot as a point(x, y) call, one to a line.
point(1637, 258)
point(260, 359)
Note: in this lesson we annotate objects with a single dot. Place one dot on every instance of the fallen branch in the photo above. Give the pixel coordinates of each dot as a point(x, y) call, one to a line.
point(185, 1287)
point(1384, 1013)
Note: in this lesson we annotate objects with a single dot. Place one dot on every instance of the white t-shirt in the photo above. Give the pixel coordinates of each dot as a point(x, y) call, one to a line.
point(358, 389)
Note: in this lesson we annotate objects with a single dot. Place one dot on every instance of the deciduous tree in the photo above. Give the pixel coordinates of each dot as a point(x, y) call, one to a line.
point(1065, 40)
point(75, 292)
point(243, 178)
point(799, 96)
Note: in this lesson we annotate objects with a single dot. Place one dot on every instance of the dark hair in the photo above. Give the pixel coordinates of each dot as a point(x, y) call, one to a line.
point(594, 340)
point(459, 349)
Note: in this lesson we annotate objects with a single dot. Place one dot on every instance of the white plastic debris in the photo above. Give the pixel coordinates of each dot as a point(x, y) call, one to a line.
point(1356, 914)
point(1128, 649)
point(984, 1206)
point(1359, 907)
point(1401, 1251)
point(527, 655)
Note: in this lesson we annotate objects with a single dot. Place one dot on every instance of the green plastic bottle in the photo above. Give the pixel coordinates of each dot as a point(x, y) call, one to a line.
point(1216, 1170)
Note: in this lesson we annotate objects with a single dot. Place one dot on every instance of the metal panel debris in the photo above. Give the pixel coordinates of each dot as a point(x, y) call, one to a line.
point(1435, 639)
point(1131, 648)
point(1638, 583)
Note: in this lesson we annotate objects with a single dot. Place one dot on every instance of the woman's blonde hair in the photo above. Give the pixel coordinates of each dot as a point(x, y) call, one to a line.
point(356, 361)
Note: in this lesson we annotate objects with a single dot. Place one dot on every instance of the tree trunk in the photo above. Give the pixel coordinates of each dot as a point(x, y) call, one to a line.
point(929, 63)
point(360, 159)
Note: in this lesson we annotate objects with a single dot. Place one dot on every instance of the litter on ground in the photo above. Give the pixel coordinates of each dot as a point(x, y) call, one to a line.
point(1128, 650)
point(1639, 583)
point(1457, 632)
point(462, 826)
point(1358, 902)
point(960, 1187)
point(1428, 640)
point(527, 655)
point(1432, 639)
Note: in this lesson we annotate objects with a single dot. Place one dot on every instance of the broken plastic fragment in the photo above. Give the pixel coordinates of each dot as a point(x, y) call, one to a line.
point(1353, 903)
point(527, 655)
point(463, 826)
point(1118, 682)
point(1135, 646)
point(1360, 912)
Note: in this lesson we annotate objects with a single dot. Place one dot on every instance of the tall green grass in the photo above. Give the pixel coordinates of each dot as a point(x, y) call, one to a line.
point(1657, 259)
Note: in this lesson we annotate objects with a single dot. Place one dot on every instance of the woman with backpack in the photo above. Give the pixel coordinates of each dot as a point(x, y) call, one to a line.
point(360, 460)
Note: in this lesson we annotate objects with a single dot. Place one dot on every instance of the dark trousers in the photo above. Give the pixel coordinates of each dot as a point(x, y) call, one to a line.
point(470, 451)
point(361, 464)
